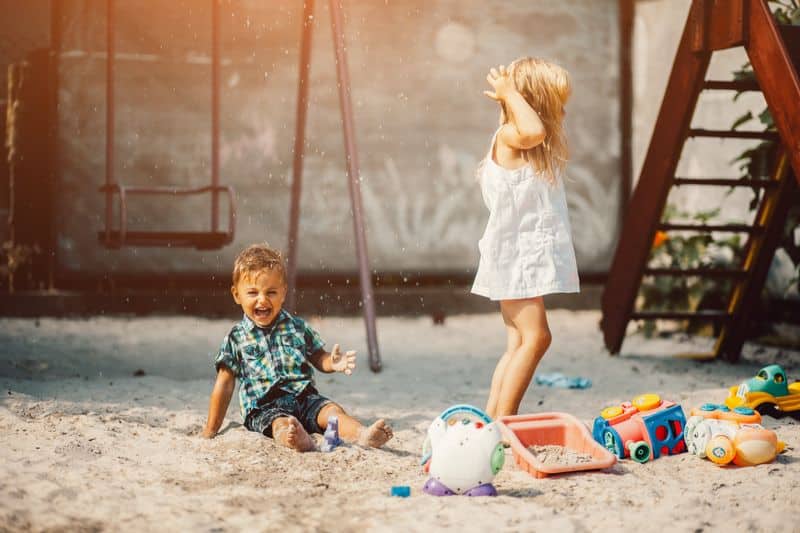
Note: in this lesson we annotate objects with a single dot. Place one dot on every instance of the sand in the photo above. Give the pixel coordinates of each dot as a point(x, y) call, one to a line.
point(87, 445)
point(553, 454)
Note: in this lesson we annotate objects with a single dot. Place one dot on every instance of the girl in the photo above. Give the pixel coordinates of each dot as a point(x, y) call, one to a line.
point(526, 250)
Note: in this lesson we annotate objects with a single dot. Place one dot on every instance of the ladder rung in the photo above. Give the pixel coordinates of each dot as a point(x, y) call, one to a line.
point(735, 134)
point(734, 228)
point(731, 85)
point(714, 316)
point(702, 272)
point(726, 182)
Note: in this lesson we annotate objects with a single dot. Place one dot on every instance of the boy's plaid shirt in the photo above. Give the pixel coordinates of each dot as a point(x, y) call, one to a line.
point(264, 358)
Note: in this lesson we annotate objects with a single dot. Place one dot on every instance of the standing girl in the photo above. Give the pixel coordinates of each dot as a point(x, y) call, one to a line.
point(526, 250)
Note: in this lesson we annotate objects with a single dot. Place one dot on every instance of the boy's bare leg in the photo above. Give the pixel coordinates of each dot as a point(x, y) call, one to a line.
point(288, 431)
point(514, 339)
point(530, 320)
point(352, 430)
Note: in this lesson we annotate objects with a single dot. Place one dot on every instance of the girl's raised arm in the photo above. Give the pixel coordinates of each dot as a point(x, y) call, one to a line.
point(524, 128)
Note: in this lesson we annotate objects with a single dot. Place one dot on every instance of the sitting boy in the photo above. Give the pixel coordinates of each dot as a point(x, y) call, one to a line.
point(271, 352)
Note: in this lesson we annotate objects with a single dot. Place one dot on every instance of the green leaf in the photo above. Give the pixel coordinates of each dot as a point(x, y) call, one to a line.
point(742, 119)
point(766, 118)
point(745, 73)
point(705, 216)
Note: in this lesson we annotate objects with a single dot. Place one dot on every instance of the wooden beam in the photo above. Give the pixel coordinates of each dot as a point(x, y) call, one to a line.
point(777, 74)
point(647, 202)
point(760, 249)
point(719, 24)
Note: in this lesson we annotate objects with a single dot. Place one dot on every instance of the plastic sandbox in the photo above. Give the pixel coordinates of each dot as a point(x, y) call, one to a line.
point(559, 429)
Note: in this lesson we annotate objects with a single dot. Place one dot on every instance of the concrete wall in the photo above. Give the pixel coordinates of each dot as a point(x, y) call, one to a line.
point(422, 124)
point(24, 26)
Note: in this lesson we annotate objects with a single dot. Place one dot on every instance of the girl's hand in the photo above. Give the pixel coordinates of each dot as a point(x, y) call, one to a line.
point(501, 82)
point(343, 362)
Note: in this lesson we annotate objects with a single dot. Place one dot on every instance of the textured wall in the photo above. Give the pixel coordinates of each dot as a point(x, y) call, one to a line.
point(422, 124)
point(24, 27)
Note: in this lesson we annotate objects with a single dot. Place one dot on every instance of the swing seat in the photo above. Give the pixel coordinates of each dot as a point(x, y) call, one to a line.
point(200, 240)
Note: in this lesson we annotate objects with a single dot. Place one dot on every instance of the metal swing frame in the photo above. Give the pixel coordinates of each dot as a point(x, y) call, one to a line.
point(351, 155)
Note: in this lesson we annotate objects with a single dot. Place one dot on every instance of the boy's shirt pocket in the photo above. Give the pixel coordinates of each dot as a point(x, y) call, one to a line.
point(294, 348)
point(256, 361)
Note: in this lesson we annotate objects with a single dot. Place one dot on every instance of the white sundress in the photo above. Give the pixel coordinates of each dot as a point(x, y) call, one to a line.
point(526, 250)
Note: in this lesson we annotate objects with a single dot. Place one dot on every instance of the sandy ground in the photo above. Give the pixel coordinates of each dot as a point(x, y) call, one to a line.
point(86, 445)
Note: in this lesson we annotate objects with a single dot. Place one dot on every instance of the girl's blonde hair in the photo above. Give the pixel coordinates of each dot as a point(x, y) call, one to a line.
point(546, 88)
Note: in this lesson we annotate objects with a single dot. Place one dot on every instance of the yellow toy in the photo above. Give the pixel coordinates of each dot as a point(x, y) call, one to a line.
point(769, 393)
point(726, 436)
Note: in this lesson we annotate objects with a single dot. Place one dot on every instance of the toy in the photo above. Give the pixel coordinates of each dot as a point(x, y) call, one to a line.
point(462, 453)
point(331, 436)
point(401, 491)
point(768, 393)
point(560, 429)
point(643, 429)
point(726, 436)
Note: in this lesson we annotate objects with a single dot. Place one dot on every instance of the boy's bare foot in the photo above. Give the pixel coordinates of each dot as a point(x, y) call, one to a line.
point(294, 436)
point(376, 435)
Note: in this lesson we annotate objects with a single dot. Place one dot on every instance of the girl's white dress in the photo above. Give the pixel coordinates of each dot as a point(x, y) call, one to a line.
point(526, 250)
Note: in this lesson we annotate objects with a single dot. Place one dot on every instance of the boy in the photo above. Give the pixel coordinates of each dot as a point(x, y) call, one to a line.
point(271, 352)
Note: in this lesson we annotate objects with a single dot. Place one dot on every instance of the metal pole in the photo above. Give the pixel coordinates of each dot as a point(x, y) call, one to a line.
point(109, 114)
point(54, 163)
point(214, 115)
point(353, 183)
point(299, 150)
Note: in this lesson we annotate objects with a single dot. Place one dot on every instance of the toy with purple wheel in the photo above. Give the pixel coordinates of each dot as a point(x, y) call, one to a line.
point(462, 453)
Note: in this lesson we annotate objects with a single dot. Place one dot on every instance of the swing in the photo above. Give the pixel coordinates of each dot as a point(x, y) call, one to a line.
point(120, 236)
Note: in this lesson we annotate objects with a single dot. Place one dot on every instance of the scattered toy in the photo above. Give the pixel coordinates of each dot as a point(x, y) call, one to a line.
point(643, 429)
point(768, 392)
point(331, 436)
point(726, 436)
point(462, 453)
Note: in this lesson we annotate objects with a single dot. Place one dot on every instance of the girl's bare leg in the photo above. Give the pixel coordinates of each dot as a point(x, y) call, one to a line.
point(528, 316)
point(514, 339)
point(352, 430)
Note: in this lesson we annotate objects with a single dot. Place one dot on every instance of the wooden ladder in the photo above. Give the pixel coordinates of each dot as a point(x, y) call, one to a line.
point(712, 25)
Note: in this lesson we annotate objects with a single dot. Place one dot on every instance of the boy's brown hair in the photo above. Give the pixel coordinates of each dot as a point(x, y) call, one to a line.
point(256, 258)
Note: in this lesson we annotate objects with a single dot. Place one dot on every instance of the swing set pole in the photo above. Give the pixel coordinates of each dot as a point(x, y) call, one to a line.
point(353, 174)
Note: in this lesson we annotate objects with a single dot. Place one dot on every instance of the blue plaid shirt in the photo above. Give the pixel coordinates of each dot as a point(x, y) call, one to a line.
point(265, 358)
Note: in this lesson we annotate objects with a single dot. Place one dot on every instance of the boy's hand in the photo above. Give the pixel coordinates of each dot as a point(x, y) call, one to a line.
point(501, 82)
point(208, 434)
point(343, 362)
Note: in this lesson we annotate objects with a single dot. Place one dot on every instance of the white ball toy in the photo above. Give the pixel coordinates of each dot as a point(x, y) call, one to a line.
point(465, 453)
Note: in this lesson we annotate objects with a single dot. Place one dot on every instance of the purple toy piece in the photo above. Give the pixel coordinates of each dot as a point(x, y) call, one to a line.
point(434, 487)
point(331, 435)
point(487, 489)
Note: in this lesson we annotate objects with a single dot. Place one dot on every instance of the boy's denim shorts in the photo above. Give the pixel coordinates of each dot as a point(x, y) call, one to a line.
point(305, 407)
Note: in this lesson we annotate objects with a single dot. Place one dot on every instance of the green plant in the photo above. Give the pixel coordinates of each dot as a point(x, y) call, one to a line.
point(786, 12)
point(687, 251)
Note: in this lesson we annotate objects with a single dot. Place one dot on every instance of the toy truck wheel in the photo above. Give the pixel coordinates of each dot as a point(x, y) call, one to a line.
point(770, 409)
point(640, 451)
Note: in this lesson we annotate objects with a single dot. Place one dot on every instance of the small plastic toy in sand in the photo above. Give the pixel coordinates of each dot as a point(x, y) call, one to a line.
point(331, 436)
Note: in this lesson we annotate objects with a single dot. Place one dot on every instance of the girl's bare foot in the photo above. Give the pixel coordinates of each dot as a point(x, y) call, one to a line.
point(376, 435)
point(292, 435)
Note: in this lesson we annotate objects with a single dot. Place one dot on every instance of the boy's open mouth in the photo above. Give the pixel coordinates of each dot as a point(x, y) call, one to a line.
point(262, 312)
